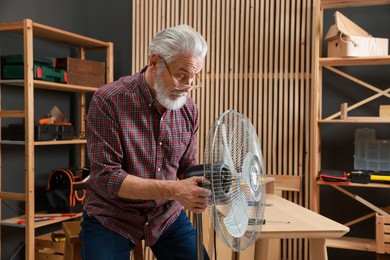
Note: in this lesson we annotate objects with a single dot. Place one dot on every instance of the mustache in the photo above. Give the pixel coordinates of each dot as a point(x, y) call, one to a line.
point(181, 93)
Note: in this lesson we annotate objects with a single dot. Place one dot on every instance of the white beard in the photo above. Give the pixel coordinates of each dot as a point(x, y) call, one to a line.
point(163, 96)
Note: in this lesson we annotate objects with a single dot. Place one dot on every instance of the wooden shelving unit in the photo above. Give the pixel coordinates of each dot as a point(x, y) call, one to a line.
point(341, 117)
point(29, 31)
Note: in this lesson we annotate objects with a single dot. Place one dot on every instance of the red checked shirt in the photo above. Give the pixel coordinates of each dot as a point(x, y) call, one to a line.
point(127, 135)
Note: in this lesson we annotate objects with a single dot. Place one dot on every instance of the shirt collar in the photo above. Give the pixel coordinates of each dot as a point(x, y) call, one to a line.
point(144, 87)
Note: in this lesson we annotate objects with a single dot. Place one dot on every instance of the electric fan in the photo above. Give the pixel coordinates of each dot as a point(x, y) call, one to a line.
point(233, 167)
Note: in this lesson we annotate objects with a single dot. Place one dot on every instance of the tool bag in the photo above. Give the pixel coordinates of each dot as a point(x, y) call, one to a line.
point(66, 190)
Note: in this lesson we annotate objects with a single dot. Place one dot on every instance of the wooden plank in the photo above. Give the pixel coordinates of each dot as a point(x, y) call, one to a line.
point(261, 94)
point(309, 80)
point(29, 138)
point(354, 61)
point(328, 4)
point(218, 54)
point(11, 113)
point(286, 127)
point(134, 33)
point(278, 85)
point(266, 126)
point(246, 57)
point(256, 117)
point(13, 196)
point(287, 182)
point(53, 34)
point(352, 243)
point(51, 86)
point(272, 112)
point(316, 105)
point(235, 53)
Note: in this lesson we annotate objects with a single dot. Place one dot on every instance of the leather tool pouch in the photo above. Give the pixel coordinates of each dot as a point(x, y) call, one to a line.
point(66, 190)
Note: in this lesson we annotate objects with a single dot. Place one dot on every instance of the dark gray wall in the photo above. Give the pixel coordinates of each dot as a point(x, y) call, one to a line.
point(103, 20)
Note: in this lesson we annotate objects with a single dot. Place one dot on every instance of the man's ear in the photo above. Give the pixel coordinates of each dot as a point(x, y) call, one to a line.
point(154, 58)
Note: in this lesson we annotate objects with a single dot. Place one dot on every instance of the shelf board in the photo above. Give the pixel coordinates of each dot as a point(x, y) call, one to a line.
point(42, 143)
point(53, 34)
point(12, 195)
point(12, 142)
point(12, 113)
point(352, 119)
point(354, 243)
point(364, 185)
point(50, 85)
point(60, 142)
point(14, 221)
point(354, 61)
point(329, 4)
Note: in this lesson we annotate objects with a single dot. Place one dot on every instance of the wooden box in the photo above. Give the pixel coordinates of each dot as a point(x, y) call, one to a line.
point(346, 39)
point(382, 234)
point(384, 110)
point(82, 72)
point(47, 249)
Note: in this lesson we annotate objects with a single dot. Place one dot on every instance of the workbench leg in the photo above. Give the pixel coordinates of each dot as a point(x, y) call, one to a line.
point(261, 250)
point(274, 249)
point(318, 249)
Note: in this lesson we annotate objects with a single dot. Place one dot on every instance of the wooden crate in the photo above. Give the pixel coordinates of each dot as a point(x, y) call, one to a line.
point(82, 72)
point(46, 249)
point(382, 234)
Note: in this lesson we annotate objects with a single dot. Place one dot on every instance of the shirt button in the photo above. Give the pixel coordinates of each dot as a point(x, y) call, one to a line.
point(158, 169)
point(160, 143)
point(147, 223)
point(150, 105)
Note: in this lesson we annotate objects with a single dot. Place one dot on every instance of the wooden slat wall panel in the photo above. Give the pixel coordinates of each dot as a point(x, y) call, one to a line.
point(259, 63)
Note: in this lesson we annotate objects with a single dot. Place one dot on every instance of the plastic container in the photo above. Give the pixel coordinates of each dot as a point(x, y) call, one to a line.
point(370, 153)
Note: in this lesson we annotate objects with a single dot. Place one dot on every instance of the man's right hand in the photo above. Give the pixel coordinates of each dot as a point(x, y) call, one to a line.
point(191, 195)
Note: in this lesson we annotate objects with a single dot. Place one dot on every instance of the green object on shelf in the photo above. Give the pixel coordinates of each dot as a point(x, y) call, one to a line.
point(19, 59)
point(16, 71)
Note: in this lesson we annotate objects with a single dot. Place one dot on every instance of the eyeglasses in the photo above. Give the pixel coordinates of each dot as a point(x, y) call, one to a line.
point(183, 87)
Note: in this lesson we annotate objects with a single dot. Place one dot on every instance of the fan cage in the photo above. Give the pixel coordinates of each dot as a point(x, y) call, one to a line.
point(233, 165)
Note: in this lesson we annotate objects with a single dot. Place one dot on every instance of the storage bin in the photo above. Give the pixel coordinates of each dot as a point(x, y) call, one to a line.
point(370, 153)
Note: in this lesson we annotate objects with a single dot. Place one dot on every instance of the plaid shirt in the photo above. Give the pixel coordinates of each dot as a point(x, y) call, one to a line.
point(127, 135)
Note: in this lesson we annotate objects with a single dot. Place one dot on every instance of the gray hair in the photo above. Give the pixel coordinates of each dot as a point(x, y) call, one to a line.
point(174, 41)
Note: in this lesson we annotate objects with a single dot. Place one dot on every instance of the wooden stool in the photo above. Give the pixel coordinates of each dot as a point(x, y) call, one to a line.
point(73, 242)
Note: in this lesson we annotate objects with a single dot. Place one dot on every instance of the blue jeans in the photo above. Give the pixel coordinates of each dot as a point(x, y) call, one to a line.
point(101, 243)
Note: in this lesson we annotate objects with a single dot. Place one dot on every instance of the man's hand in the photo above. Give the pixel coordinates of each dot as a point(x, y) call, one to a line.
point(190, 195)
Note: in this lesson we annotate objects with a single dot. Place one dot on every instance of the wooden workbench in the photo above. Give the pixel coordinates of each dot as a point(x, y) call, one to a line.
point(285, 219)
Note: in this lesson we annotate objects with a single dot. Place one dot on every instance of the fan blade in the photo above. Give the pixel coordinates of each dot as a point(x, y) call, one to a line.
point(227, 156)
point(236, 222)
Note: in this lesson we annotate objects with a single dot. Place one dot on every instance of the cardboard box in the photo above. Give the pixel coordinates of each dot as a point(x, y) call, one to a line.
point(347, 39)
point(82, 72)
